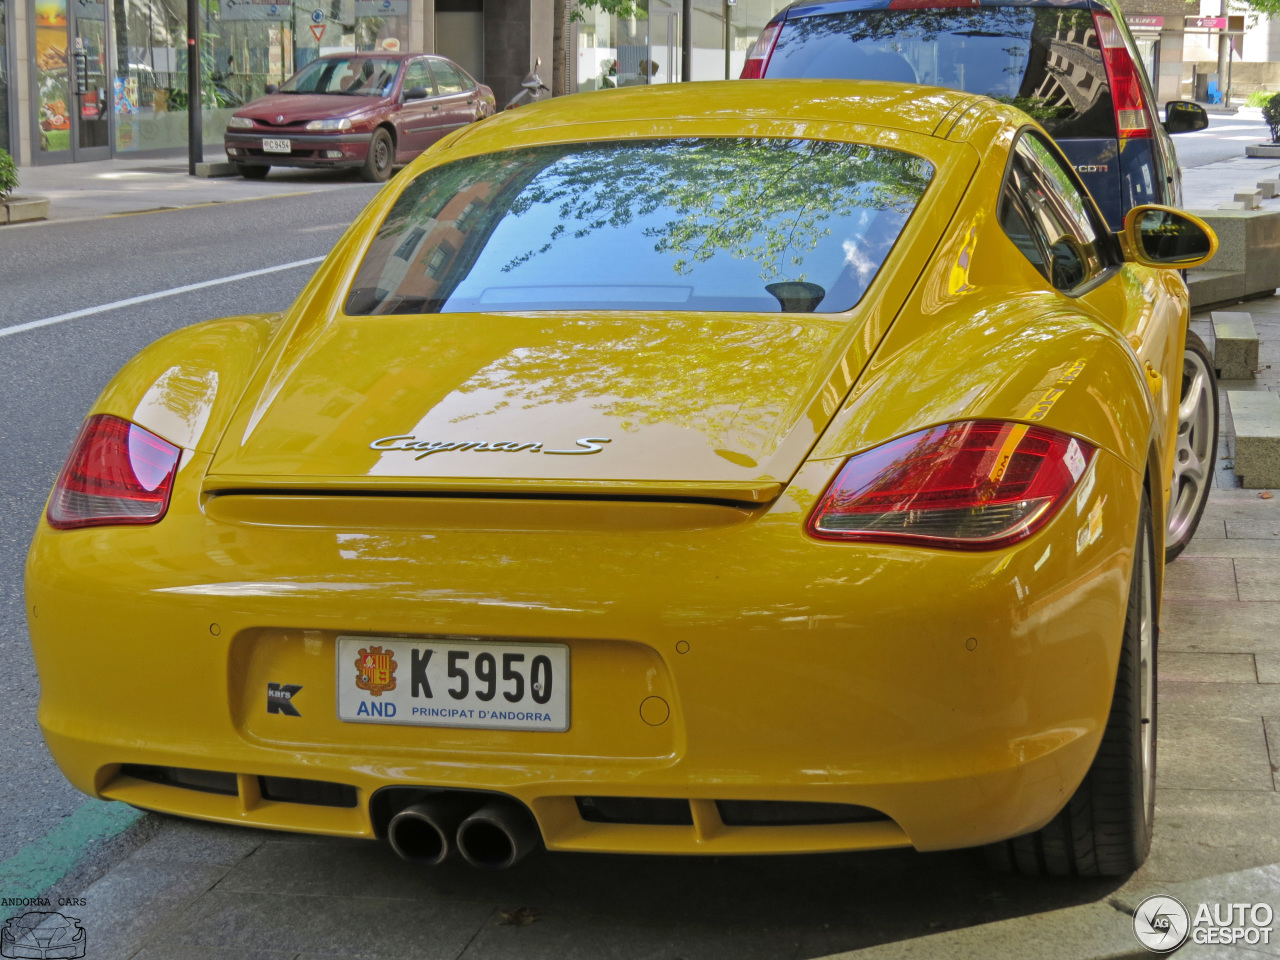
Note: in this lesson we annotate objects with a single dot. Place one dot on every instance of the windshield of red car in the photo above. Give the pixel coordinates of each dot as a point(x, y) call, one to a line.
point(1044, 61)
point(351, 76)
point(723, 224)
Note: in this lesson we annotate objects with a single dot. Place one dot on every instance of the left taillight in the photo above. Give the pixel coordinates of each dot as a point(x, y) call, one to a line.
point(116, 473)
point(758, 58)
point(973, 485)
point(1132, 116)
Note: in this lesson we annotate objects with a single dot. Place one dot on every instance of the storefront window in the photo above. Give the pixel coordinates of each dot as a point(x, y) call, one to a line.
point(5, 142)
point(615, 52)
point(52, 75)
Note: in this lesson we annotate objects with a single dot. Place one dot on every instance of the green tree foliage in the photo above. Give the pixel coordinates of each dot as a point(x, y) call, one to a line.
point(8, 175)
point(1271, 114)
point(619, 8)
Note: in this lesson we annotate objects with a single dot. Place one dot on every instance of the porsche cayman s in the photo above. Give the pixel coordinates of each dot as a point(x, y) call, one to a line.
point(722, 468)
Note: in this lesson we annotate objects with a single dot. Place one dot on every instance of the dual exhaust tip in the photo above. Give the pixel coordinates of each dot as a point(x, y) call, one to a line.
point(491, 834)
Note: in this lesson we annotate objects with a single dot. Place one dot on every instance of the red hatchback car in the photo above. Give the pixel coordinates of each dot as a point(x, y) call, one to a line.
point(357, 110)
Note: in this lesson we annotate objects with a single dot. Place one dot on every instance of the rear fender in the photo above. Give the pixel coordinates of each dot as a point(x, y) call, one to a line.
point(185, 386)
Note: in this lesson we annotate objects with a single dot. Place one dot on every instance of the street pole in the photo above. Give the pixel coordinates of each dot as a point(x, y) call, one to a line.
point(686, 41)
point(195, 128)
point(1224, 49)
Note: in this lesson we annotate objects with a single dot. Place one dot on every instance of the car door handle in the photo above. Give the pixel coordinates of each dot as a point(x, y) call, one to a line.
point(435, 106)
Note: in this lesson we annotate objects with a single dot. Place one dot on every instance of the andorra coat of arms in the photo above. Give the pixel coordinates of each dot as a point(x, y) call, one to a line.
point(376, 670)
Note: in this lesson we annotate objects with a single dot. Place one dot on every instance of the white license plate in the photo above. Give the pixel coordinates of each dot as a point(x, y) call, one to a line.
point(276, 146)
point(453, 683)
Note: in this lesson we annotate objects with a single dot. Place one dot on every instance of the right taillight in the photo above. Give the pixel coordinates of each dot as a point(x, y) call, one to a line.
point(973, 485)
point(1132, 118)
point(758, 58)
point(116, 473)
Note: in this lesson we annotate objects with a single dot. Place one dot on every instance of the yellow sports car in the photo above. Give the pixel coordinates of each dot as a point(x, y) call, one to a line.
point(704, 469)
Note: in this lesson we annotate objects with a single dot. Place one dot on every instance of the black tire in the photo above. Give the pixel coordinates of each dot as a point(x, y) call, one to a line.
point(253, 171)
point(1197, 447)
point(381, 159)
point(1105, 828)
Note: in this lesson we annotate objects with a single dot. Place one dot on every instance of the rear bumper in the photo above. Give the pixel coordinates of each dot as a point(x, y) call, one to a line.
point(307, 151)
point(961, 695)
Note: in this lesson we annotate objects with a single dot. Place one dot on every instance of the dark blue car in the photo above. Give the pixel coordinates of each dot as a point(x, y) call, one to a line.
point(1072, 66)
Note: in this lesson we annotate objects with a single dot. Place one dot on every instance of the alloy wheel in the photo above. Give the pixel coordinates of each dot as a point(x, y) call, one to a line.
point(1193, 456)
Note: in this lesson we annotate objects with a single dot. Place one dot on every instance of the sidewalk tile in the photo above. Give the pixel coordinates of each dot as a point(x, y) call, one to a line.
point(176, 951)
point(1235, 549)
point(1268, 667)
point(1272, 727)
point(1200, 833)
point(1216, 700)
point(1212, 753)
point(350, 926)
point(139, 902)
point(190, 841)
point(1220, 626)
point(1258, 579)
point(1244, 529)
point(569, 937)
point(1201, 578)
point(1207, 667)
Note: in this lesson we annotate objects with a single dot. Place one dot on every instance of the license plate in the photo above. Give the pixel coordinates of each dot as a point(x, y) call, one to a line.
point(453, 683)
point(276, 146)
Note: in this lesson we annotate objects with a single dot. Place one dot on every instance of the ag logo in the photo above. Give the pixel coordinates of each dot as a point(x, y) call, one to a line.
point(1161, 923)
point(39, 934)
point(375, 670)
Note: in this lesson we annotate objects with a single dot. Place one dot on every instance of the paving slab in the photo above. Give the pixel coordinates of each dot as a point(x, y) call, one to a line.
point(1204, 832)
point(1253, 548)
point(1212, 753)
point(1258, 579)
point(1262, 528)
point(377, 928)
point(1201, 578)
point(1268, 665)
point(1207, 667)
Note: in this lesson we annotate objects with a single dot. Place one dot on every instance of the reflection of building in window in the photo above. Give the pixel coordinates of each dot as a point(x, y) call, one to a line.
point(1071, 70)
point(463, 223)
point(439, 259)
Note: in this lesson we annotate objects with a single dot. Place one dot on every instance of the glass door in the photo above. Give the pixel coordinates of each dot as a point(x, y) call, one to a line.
point(90, 81)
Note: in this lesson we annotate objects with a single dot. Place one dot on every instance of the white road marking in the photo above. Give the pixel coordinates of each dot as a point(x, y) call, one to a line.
point(145, 298)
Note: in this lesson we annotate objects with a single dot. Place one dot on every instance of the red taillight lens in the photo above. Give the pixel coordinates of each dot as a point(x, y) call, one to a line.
point(1132, 119)
point(975, 485)
point(758, 58)
point(116, 473)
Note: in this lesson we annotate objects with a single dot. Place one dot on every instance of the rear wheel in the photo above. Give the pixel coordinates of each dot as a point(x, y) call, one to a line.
point(251, 172)
point(1197, 447)
point(1105, 829)
point(378, 164)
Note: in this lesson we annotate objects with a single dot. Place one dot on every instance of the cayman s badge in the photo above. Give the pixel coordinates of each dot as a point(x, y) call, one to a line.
point(375, 670)
point(424, 448)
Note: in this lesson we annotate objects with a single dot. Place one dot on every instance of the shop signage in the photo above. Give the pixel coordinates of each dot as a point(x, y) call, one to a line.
point(1206, 23)
point(256, 10)
point(382, 8)
point(1141, 21)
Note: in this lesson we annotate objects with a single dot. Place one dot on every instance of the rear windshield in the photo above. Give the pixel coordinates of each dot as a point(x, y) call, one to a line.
point(732, 224)
point(1046, 62)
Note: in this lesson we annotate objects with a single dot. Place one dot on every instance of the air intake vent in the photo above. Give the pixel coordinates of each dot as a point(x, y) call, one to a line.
point(643, 810)
point(318, 793)
point(785, 813)
point(206, 781)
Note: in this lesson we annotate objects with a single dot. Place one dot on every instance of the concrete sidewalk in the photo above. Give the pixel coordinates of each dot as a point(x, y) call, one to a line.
point(103, 188)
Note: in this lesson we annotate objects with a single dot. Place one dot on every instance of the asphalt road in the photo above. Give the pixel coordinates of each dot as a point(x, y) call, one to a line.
point(50, 376)
point(1226, 137)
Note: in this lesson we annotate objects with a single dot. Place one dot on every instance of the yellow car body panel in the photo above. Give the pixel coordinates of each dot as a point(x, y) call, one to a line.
point(961, 694)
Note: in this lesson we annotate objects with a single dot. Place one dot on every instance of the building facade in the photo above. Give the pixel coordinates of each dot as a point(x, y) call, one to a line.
point(94, 79)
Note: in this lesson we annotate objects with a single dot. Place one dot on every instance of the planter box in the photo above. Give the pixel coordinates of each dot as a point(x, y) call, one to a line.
point(19, 209)
point(1265, 150)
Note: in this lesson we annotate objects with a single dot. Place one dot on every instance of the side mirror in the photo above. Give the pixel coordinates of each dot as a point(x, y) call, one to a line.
point(1183, 116)
point(417, 93)
point(1156, 236)
point(272, 88)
